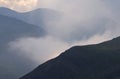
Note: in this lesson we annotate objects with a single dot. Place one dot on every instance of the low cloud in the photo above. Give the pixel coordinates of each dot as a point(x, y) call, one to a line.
point(81, 19)
point(39, 49)
point(83, 22)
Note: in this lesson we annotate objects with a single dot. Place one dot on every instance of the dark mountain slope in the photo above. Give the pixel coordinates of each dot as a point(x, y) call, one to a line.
point(101, 61)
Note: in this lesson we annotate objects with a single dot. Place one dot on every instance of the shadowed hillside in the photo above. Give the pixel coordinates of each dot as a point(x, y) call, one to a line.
point(101, 61)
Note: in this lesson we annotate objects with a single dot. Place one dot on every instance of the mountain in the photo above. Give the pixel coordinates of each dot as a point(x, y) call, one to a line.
point(100, 61)
point(11, 28)
point(37, 17)
point(15, 25)
point(13, 64)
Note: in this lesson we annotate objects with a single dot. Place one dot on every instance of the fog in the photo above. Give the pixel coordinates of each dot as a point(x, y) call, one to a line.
point(83, 22)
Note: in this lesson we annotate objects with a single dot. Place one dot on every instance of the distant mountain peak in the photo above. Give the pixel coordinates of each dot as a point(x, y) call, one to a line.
point(4, 9)
point(14, 29)
point(37, 17)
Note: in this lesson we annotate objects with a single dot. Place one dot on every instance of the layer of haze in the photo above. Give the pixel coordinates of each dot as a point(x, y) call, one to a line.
point(82, 22)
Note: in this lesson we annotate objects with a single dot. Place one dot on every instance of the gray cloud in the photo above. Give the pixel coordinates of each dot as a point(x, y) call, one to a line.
point(39, 49)
point(83, 22)
point(81, 19)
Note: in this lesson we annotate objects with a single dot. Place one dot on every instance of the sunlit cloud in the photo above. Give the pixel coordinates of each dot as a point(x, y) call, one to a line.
point(39, 49)
point(19, 5)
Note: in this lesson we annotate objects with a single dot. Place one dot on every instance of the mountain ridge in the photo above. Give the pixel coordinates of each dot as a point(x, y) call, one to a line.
point(82, 62)
point(36, 17)
point(15, 25)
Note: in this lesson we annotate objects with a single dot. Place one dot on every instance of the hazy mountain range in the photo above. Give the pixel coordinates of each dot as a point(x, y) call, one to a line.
point(101, 61)
point(14, 25)
point(11, 29)
point(37, 17)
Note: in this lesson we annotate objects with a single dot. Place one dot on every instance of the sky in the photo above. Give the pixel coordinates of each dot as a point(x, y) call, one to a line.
point(19, 5)
point(83, 22)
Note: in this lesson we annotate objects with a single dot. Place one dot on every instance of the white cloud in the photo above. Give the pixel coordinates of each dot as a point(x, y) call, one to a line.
point(83, 22)
point(19, 5)
point(39, 49)
point(81, 19)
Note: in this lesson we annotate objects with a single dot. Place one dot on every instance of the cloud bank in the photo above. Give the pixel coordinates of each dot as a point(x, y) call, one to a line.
point(83, 22)
point(81, 19)
point(39, 49)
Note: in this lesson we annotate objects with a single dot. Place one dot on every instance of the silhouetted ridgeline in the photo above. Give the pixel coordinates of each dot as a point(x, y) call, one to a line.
point(101, 61)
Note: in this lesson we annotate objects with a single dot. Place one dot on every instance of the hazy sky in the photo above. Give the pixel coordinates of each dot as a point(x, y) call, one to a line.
point(83, 22)
point(19, 5)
